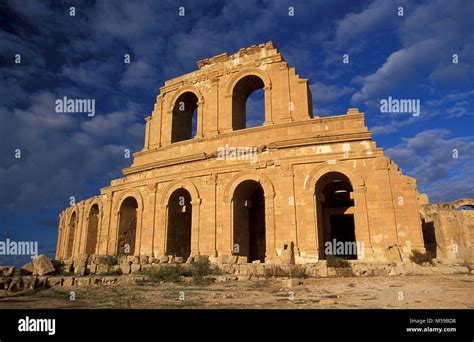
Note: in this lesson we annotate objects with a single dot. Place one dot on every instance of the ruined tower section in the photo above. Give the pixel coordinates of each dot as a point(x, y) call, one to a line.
point(289, 188)
point(221, 87)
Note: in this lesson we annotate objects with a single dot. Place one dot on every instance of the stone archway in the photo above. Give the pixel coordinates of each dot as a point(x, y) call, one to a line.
point(239, 87)
point(92, 229)
point(243, 89)
point(178, 236)
point(241, 188)
point(192, 200)
point(335, 216)
point(315, 242)
point(184, 117)
point(249, 221)
point(127, 227)
point(71, 233)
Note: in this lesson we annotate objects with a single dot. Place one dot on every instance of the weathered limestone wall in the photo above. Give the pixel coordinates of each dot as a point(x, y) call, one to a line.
point(449, 232)
point(294, 152)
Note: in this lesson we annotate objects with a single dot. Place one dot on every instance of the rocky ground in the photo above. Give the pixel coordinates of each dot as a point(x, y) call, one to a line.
point(417, 292)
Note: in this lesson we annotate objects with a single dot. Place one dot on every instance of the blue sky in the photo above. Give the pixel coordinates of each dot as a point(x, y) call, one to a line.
point(82, 56)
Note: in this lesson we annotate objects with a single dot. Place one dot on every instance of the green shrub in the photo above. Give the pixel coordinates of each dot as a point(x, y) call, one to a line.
point(109, 260)
point(202, 269)
point(112, 273)
point(419, 258)
point(168, 274)
point(337, 262)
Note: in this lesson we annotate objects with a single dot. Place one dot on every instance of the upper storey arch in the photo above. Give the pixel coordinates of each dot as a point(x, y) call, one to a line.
point(219, 98)
point(186, 112)
point(239, 89)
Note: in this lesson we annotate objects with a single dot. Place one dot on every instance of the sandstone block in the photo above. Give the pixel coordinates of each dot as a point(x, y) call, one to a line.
point(68, 281)
point(144, 259)
point(54, 281)
point(242, 260)
point(83, 281)
point(125, 267)
point(29, 282)
point(42, 265)
point(101, 269)
point(16, 284)
point(136, 268)
point(92, 268)
point(27, 268)
point(4, 283)
point(7, 271)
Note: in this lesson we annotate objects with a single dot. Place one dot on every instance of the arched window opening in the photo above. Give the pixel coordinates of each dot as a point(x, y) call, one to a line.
point(248, 103)
point(184, 117)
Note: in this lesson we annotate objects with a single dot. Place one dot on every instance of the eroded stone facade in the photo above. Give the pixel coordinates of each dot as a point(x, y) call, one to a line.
point(314, 179)
point(449, 231)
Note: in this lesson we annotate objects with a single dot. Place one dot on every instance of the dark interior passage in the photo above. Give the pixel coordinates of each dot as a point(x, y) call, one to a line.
point(335, 214)
point(127, 226)
point(179, 224)
point(92, 229)
point(249, 220)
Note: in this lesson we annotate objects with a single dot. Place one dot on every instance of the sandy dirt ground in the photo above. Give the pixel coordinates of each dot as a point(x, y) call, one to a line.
point(416, 292)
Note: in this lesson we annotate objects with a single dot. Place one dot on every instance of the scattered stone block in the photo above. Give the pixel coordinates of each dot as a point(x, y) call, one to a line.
point(242, 260)
point(27, 268)
point(125, 267)
point(42, 281)
point(164, 259)
point(7, 271)
point(42, 265)
point(144, 259)
point(4, 283)
point(16, 284)
point(29, 282)
point(68, 281)
point(136, 268)
point(101, 269)
point(54, 281)
point(92, 268)
point(178, 260)
point(322, 272)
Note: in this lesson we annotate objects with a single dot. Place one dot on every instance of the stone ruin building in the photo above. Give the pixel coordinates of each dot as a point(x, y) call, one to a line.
point(310, 180)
